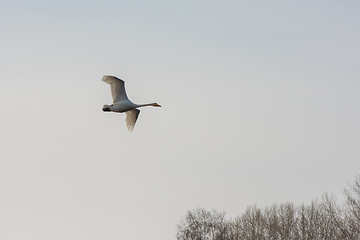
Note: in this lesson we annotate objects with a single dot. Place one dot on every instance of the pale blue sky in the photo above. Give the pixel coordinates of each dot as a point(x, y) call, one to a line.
point(260, 106)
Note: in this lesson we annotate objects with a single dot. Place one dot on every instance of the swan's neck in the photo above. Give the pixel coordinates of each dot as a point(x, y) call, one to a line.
point(144, 105)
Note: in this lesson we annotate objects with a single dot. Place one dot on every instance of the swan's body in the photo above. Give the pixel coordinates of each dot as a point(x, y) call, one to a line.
point(121, 103)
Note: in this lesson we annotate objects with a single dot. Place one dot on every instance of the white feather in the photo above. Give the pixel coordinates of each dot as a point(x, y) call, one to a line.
point(131, 117)
point(117, 87)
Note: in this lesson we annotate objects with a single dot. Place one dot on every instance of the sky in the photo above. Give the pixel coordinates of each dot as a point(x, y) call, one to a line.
point(260, 105)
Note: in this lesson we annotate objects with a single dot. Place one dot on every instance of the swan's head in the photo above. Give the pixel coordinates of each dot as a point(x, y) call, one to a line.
point(156, 105)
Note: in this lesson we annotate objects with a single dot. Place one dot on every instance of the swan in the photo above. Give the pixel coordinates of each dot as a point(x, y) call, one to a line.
point(121, 102)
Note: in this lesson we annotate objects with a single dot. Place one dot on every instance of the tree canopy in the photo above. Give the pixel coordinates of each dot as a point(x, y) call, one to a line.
point(325, 219)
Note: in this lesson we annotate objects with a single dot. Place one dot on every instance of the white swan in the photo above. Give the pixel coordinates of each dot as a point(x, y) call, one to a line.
point(121, 103)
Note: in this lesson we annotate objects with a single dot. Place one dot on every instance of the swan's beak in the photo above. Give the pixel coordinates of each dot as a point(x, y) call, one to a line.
point(157, 105)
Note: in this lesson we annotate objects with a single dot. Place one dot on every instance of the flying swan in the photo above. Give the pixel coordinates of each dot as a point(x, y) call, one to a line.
point(121, 103)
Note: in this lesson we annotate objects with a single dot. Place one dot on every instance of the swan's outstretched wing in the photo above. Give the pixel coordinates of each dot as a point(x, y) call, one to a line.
point(117, 88)
point(131, 117)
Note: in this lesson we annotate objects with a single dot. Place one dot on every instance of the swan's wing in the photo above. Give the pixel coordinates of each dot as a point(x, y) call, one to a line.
point(117, 87)
point(131, 117)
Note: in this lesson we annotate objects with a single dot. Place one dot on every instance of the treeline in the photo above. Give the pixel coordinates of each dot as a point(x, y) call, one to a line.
point(325, 219)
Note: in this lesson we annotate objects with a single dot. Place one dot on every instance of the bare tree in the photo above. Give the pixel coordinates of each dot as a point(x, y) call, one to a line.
point(315, 221)
point(353, 206)
point(203, 225)
point(345, 218)
point(252, 224)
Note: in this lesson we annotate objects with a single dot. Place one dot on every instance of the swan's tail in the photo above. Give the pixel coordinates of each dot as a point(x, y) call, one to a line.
point(106, 108)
